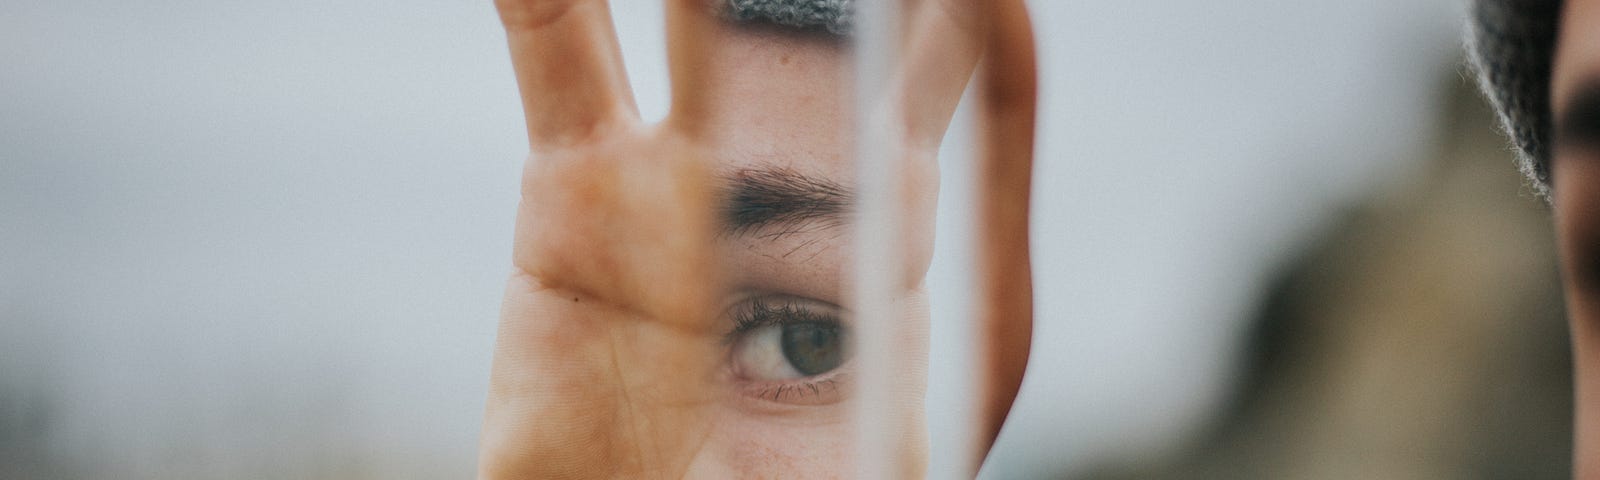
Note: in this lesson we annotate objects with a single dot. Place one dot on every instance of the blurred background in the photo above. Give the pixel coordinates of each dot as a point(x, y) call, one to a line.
point(269, 240)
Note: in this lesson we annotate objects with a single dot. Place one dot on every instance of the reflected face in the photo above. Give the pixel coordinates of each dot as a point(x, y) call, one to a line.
point(1575, 181)
point(679, 302)
point(782, 157)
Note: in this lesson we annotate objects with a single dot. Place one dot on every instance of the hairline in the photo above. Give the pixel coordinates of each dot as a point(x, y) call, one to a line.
point(1511, 48)
point(832, 16)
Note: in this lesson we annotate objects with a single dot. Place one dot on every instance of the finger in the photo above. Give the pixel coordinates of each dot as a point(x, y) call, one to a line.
point(943, 42)
point(691, 26)
point(645, 229)
point(1008, 91)
point(569, 69)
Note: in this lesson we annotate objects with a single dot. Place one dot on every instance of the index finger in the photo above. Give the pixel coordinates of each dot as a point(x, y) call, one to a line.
point(569, 69)
point(1007, 90)
point(690, 26)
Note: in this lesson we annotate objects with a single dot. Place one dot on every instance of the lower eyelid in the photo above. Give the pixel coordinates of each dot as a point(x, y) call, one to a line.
point(825, 389)
point(780, 392)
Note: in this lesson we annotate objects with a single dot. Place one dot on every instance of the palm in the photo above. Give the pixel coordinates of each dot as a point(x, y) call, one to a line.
point(594, 364)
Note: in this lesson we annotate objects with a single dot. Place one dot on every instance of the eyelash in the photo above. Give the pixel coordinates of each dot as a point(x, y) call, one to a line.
point(760, 312)
point(815, 388)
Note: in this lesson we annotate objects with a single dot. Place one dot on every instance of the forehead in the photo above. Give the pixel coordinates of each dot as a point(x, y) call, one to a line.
point(1577, 57)
point(783, 102)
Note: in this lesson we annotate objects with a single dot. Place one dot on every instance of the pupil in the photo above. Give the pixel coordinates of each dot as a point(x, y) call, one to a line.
point(812, 348)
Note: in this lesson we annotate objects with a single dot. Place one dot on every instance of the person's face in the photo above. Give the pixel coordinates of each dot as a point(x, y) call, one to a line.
point(679, 303)
point(784, 166)
point(1575, 172)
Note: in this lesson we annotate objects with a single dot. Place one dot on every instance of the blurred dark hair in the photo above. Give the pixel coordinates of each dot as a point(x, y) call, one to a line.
point(834, 16)
point(1511, 44)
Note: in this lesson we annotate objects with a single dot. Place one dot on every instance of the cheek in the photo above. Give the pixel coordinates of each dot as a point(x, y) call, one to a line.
point(1577, 215)
point(803, 443)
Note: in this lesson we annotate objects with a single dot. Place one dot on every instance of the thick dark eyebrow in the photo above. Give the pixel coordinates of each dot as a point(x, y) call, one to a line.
point(781, 201)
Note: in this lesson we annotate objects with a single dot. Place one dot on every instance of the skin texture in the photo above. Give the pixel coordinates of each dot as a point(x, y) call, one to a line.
point(613, 359)
point(1575, 172)
point(1007, 284)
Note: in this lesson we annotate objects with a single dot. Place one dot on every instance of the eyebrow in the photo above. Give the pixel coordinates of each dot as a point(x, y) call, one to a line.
point(756, 199)
point(1579, 125)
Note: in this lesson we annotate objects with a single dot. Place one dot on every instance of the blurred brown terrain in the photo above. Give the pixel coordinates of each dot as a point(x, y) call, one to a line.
point(1421, 336)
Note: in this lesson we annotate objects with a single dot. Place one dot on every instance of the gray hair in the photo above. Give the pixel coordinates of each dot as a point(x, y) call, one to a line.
point(1511, 46)
point(833, 15)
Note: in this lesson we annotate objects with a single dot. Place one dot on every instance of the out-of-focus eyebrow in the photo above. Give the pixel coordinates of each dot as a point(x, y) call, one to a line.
point(1579, 125)
point(780, 201)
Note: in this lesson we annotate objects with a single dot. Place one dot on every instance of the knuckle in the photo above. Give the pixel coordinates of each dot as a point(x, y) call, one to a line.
point(967, 15)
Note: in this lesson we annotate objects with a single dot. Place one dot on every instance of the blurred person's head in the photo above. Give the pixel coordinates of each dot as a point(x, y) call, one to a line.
point(1539, 63)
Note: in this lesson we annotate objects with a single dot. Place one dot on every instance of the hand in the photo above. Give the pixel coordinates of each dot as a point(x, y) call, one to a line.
point(675, 308)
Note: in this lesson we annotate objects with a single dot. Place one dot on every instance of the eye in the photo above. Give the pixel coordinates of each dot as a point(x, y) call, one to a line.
point(789, 351)
point(784, 348)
